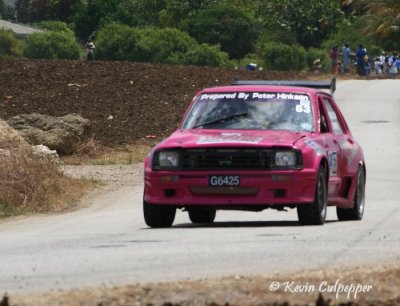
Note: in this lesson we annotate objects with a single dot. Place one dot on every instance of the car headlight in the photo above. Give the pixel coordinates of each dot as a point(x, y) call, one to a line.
point(166, 159)
point(286, 159)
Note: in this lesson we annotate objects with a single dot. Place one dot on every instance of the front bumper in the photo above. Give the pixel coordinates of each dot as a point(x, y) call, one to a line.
point(262, 188)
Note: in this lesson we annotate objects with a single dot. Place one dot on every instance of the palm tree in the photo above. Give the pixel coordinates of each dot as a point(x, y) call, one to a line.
point(383, 15)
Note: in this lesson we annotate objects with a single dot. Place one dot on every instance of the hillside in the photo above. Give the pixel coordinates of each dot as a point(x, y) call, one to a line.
point(124, 101)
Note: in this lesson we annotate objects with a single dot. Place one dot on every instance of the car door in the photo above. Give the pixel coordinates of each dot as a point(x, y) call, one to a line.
point(346, 147)
point(329, 134)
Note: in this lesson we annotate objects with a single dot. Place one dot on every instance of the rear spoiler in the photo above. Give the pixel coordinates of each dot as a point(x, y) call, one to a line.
point(313, 84)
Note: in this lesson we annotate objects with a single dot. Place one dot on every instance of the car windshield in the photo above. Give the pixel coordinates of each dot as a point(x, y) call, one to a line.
point(251, 111)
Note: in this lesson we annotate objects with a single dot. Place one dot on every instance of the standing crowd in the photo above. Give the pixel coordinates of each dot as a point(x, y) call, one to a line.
point(384, 64)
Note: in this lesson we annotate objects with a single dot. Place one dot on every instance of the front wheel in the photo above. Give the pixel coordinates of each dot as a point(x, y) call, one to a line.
point(357, 212)
point(315, 213)
point(158, 215)
point(201, 215)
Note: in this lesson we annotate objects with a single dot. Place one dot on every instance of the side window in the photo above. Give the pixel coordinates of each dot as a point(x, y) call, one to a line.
point(336, 127)
point(323, 124)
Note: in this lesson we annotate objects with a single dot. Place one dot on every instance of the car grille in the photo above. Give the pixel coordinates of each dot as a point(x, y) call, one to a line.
point(226, 159)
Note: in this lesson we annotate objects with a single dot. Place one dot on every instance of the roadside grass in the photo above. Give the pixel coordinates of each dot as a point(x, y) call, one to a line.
point(124, 156)
point(32, 183)
point(335, 286)
point(95, 154)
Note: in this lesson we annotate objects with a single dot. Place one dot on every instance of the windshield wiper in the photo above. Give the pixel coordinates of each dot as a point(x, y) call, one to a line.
point(222, 119)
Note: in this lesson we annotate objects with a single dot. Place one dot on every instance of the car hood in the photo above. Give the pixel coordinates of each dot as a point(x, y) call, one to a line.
point(211, 138)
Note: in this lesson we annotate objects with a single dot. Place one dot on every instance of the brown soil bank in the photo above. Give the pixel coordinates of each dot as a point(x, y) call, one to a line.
point(124, 101)
point(359, 286)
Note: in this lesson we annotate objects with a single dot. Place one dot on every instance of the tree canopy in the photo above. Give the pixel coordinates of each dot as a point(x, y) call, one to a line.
point(230, 27)
point(310, 22)
point(237, 28)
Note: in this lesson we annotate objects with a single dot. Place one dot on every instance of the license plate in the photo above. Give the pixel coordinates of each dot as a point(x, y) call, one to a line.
point(224, 180)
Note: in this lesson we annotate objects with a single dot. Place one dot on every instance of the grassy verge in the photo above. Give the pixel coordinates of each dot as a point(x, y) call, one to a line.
point(377, 285)
point(32, 183)
point(95, 154)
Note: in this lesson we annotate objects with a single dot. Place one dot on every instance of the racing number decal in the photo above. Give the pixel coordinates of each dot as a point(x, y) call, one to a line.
point(303, 107)
point(333, 165)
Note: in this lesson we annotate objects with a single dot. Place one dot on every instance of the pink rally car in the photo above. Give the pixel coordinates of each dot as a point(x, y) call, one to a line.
point(256, 145)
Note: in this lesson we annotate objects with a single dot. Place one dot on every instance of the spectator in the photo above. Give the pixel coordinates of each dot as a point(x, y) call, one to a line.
point(382, 61)
point(385, 65)
point(89, 50)
point(377, 66)
point(398, 64)
point(333, 56)
point(346, 52)
point(317, 67)
point(360, 56)
point(251, 67)
point(367, 66)
point(392, 65)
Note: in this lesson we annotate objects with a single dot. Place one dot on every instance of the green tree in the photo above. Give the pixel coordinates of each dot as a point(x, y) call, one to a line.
point(351, 32)
point(140, 12)
point(93, 14)
point(57, 26)
point(37, 46)
point(383, 21)
point(60, 10)
point(228, 26)
point(65, 9)
point(165, 43)
point(9, 45)
point(278, 56)
point(40, 10)
point(52, 45)
point(176, 11)
point(149, 44)
point(22, 10)
point(205, 55)
point(8, 13)
point(2, 8)
point(118, 42)
point(310, 21)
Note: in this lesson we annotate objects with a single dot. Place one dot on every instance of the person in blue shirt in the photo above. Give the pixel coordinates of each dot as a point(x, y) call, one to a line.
point(367, 66)
point(346, 58)
point(360, 59)
point(398, 63)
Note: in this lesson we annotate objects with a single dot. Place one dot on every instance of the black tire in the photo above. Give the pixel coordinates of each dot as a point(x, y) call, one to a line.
point(357, 211)
point(158, 216)
point(201, 215)
point(315, 213)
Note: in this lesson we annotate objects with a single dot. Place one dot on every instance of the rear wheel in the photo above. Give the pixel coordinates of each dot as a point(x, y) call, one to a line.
point(357, 211)
point(158, 215)
point(202, 215)
point(315, 213)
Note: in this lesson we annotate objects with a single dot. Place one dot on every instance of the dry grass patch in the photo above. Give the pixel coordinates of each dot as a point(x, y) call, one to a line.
point(32, 183)
point(384, 282)
point(96, 154)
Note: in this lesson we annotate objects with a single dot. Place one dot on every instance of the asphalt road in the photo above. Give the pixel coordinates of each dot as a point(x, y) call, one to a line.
point(108, 243)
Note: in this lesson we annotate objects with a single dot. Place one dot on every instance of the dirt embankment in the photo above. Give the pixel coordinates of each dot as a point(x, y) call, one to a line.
point(124, 101)
point(358, 286)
